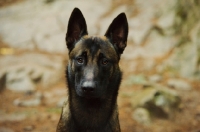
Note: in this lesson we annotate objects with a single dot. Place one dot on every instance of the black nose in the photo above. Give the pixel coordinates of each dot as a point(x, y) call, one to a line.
point(88, 87)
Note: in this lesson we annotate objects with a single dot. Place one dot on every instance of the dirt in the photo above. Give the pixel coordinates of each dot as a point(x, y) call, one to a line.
point(45, 116)
point(4, 3)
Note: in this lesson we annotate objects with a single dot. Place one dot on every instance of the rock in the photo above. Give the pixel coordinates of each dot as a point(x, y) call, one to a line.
point(181, 57)
point(184, 59)
point(159, 44)
point(195, 36)
point(136, 79)
point(21, 34)
point(35, 100)
point(27, 103)
point(179, 84)
point(166, 17)
point(18, 80)
point(28, 128)
point(142, 116)
point(38, 69)
point(141, 24)
point(45, 30)
point(155, 78)
point(12, 117)
point(51, 41)
point(23, 26)
point(133, 52)
point(139, 31)
point(166, 22)
point(159, 100)
point(39, 95)
point(4, 129)
point(103, 23)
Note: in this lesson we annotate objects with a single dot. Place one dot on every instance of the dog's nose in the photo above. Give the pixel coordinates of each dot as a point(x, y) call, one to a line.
point(88, 87)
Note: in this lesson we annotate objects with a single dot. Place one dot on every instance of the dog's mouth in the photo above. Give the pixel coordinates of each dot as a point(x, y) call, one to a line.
point(89, 96)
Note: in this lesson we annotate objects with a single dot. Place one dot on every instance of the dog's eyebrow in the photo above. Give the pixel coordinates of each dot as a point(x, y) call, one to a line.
point(108, 51)
point(84, 53)
point(101, 55)
point(104, 55)
point(81, 53)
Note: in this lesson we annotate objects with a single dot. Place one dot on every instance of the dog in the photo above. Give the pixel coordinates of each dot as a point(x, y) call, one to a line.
point(93, 76)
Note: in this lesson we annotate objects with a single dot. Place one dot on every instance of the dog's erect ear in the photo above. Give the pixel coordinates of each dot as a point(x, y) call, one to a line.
point(76, 28)
point(118, 32)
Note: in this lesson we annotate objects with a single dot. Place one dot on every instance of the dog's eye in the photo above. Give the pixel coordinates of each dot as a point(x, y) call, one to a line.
point(104, 61)
point(80, 60)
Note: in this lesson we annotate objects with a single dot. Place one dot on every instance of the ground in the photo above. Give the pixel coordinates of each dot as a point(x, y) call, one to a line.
point(45, 116)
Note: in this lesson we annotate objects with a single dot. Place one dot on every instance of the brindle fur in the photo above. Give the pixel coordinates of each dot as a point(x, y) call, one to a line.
point(93, 76)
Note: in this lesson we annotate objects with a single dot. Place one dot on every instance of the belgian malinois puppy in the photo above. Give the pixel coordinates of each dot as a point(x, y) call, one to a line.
point(93, 76)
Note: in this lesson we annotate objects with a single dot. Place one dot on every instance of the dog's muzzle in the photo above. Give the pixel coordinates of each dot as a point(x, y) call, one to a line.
point(88, 88)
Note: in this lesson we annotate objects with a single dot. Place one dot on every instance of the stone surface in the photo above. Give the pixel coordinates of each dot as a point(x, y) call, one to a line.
point(12, 117)
point(142, 116)
point(25, 71)
point(153, 29)
point(166, 16)
point(158, 45)
point(184, 59)
point(28, 128)
point(51, 41)
point(136, 79)
point(141, 24)
point(159, 100)
point(17, 80)
point(166, 22)
point(181, 57)
point(27, 103)
point(155, 78)
point(179, 84)
point(38, 25)
point(30, 100)
point(4, 129)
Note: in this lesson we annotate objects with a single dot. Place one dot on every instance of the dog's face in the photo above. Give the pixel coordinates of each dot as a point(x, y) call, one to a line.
point(94, 59)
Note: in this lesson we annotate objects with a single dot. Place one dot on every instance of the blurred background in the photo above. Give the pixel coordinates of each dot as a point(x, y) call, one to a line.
point(160, 91)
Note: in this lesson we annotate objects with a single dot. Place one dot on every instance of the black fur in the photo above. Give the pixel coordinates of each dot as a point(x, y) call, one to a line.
point(93, 76)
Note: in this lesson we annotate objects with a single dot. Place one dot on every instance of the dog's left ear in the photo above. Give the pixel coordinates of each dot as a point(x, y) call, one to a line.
point(118, 32)
point(77, 28)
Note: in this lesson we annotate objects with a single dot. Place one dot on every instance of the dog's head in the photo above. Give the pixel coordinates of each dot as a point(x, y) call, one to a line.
point(93, 60)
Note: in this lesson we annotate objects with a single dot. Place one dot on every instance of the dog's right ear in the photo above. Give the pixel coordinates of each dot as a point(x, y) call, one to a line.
point(76, 28)
point(118, 32)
